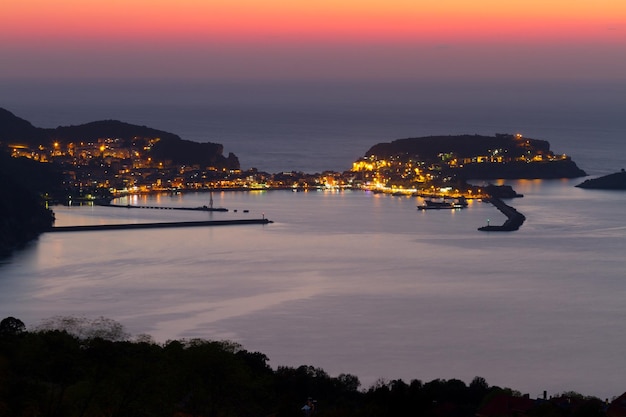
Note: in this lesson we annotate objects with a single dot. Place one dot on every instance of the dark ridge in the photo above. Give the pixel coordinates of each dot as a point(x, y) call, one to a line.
point(15, 129)
point(431, 148)
point(170, 147)
point(42, 179)
point(616, 181)
point(108, 129)
point(23, 216)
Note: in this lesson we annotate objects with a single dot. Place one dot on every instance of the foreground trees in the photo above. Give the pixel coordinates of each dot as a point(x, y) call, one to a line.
point(77, 367)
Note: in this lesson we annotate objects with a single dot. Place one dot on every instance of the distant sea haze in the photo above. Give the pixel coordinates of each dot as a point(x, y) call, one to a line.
point(318, 126)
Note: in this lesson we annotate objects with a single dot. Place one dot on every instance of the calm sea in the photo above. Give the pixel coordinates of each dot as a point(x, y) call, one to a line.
point(356, 282)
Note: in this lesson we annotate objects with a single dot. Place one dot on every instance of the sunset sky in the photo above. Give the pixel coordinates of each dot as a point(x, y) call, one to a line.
point(348, 39)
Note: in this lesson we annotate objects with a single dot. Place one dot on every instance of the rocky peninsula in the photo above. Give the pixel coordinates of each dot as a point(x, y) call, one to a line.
point(506, 156)
point(109, 136)
point(616, 181)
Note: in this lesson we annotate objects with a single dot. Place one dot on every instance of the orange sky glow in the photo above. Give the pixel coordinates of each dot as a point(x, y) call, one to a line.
point(122, 25)
point(243, 20)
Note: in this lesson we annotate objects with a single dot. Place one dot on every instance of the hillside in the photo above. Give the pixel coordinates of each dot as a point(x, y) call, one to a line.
point(13, 128)
point(170, 147)
point(481, 157)
point(429, 147)
point(23, 216)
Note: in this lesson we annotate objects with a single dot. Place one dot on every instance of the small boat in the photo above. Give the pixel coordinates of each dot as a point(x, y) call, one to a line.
point(443, 204)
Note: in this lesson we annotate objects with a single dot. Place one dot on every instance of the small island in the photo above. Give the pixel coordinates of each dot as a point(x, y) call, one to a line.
point(506, 156)
point(616, 181)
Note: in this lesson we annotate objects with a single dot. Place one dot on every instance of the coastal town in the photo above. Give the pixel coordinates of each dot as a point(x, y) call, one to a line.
point(110, 167)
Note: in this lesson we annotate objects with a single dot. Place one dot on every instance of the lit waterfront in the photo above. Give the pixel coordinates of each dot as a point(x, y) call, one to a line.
point(357, 282)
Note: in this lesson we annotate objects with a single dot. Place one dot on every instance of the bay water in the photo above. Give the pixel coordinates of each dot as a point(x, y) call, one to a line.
point(350, 281)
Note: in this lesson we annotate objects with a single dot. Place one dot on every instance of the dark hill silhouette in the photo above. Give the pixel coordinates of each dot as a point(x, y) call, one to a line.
point(431, 148)
point(39, 178)
point(15, 129)
point(108, 129)
point(23, 216)
point(170, 147)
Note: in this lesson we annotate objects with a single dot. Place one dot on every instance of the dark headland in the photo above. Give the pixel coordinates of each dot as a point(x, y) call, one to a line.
point(161, 145)
point(504, 156)
point(451, 161)
point(616, 181)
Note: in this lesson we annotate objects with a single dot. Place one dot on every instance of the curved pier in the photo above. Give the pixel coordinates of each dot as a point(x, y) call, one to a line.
point(514, 218)
point(158, 225)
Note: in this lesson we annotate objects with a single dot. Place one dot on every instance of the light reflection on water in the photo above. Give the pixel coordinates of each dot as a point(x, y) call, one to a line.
point(357, 282)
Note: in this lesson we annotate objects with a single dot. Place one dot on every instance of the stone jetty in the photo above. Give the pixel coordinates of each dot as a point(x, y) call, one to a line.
point(514, 218)
point(129, 226)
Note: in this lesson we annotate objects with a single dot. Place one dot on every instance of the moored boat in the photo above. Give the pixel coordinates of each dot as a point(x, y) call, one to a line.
point(443, 204)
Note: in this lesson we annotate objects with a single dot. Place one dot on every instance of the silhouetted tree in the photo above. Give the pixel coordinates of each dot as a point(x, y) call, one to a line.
point(54, 372)
point(11, 326)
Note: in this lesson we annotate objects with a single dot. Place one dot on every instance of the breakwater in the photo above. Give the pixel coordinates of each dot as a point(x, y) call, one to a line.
point(203, 208)
point(129, 226)
point(514, 218)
